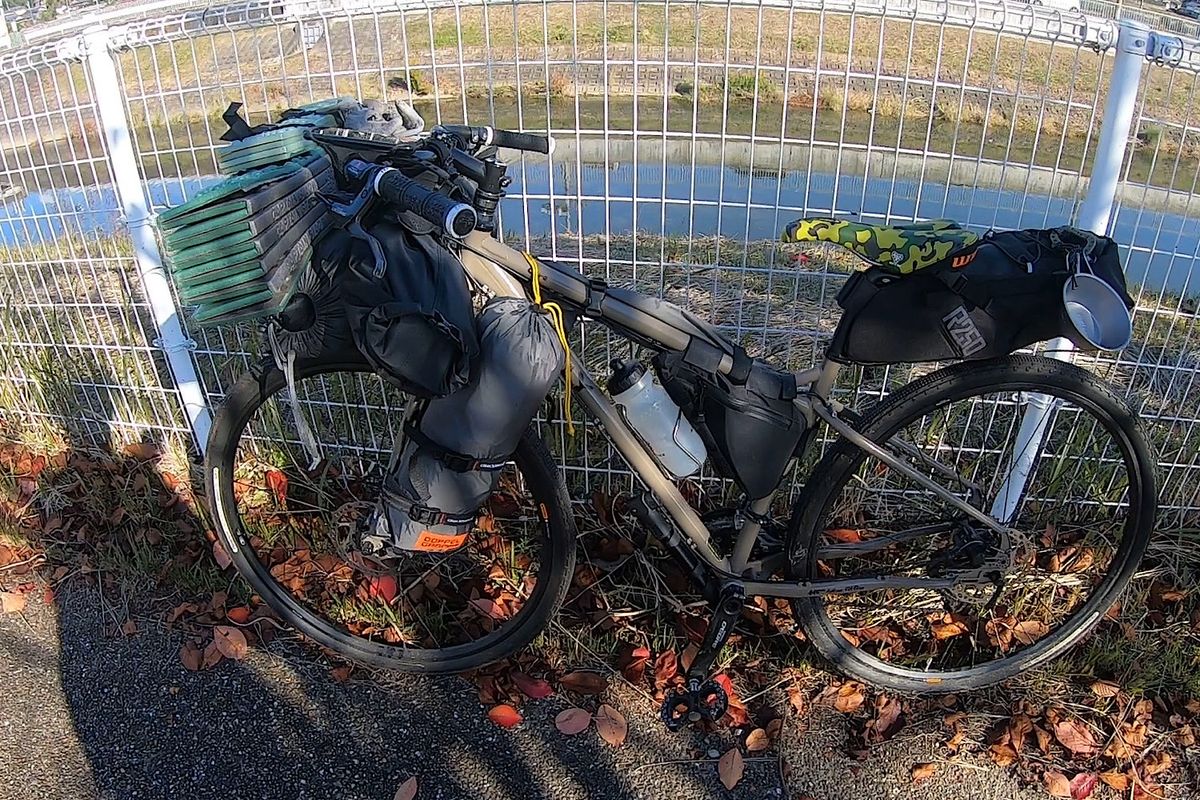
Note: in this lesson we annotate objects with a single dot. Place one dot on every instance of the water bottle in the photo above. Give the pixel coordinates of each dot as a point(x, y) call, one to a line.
point(656, 418)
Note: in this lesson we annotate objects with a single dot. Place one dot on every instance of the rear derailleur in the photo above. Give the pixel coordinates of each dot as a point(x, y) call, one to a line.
point(701, 697)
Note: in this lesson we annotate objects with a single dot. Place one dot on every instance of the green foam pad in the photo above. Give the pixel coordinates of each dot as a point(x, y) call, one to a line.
point(223, 313)
point(317, 177)
point(234, 187)
point(328, 106)
point(309, 121)
point(264, 148)
point(235, 223)
point(252, 268)
point(223, 289)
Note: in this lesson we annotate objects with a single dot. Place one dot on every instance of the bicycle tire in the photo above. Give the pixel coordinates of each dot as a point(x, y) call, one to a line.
point(533, 460)
point(839, 465)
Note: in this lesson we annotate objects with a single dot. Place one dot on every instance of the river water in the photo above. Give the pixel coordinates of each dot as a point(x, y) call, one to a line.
point(677, 199)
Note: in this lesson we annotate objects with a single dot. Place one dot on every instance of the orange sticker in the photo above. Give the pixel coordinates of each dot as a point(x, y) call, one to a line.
point(961, 261)
point(438, 542)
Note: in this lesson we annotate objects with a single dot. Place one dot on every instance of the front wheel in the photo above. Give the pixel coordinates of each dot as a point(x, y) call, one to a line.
point(293, 531)
point(1078, 525)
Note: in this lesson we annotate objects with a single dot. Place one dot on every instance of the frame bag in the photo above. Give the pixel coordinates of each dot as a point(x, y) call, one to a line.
point(1005, 294)
point(453, 455)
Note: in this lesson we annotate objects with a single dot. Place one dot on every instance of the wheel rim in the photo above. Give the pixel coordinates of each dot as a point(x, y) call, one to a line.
point(1074, 562)
point(296, 529)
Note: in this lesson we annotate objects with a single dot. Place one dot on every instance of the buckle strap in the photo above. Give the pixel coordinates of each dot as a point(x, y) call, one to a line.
point(427, 515)
point(458, 462)
point(596, 291)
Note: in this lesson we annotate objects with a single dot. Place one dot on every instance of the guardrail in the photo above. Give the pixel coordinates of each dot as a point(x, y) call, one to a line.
point(690, 133)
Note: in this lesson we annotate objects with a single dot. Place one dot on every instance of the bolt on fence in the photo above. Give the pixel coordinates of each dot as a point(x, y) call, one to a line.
point(690, 133)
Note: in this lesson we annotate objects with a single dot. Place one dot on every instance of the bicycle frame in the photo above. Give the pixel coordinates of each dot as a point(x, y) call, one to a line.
point(506, 272)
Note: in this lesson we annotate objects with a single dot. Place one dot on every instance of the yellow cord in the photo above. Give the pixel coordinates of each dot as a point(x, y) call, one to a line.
point(554, 310)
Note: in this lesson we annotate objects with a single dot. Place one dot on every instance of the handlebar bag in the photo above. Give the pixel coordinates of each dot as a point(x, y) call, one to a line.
point(1003, 295)
point(414, 323)
point(452, 460)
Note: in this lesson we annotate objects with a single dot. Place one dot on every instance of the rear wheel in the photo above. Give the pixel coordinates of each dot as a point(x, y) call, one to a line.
point(293, 532)
point(1077, 532)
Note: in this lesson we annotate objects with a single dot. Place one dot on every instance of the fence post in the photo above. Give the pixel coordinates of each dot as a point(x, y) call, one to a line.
point(1133, 45)
point(131, 194)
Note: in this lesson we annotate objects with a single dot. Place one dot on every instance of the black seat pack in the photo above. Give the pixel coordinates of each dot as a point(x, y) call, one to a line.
point(1003, 295)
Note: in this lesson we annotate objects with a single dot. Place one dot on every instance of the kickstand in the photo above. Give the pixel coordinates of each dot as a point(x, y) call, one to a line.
point(702, 697)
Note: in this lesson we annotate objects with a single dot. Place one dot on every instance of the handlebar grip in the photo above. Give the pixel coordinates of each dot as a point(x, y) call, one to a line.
point(515, 140)
point(455, 218)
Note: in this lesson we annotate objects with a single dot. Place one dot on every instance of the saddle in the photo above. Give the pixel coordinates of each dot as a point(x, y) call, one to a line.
point(898, 249)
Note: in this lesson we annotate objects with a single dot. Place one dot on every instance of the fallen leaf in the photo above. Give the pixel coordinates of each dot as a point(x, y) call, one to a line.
point(129, 628)
point(1002, 755)
point(142, 451)
point(1116, 780)
point(341, 674)
point(796, 698)
point(231, 642)
point(844, 535)
point(504, 715)
point(221, 555)
point(665, 667)
point(757, 740)
point(572, 721)
point(584, 682)
point(407, 790)
point(12, 602)
point(922, 771)
point(611, 725)
point(887, 720)
point(277, 482)
point(731, 767)
point(1156, 763)
point(211, 656)
point(1057, 783)
point(1029, 631)
point(1082, 785)
point(1105, 688)
point(383, 587)
point(948, 626)
point(190, 655)
point(849, 697)
point(239, 614)
point(533, 688)
point(1076, 737)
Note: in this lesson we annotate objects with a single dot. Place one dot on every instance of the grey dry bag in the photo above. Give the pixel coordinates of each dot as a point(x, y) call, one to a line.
point(453, 454)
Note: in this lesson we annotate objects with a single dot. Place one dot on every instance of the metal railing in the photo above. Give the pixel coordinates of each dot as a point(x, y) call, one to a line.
point(690, 133)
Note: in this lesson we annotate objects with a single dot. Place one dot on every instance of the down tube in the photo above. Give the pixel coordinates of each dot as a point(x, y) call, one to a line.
point(643, 464)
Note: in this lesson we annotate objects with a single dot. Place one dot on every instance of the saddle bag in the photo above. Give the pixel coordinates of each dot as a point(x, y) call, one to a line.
point(1003, 294)
point(453, 454)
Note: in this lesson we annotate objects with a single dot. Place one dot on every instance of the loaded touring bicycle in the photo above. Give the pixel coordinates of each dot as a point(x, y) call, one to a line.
point(379, 482)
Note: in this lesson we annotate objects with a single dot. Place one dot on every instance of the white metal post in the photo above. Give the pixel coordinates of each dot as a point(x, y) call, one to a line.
point(1133, 45)
point(130, 191)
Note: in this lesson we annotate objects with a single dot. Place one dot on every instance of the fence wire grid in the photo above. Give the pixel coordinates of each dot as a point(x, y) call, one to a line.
point(689, 134)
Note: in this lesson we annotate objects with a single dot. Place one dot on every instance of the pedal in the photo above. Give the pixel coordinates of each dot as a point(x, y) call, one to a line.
point(698, 701)
point(703, 698)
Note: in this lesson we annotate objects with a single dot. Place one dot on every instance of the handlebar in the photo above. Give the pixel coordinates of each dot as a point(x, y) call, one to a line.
point(390, 184)
point(482, 136)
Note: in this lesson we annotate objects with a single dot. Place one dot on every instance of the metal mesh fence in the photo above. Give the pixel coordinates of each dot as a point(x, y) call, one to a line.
point(77, 352)
point(689, 134)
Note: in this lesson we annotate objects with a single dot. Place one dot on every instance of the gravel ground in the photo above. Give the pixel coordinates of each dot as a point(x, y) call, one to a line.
point(90, 716)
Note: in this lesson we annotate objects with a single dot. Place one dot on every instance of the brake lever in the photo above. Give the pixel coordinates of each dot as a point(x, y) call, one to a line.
point(349, 217)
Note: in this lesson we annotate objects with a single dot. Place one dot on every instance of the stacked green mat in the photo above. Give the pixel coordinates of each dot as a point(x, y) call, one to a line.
point(236, 250)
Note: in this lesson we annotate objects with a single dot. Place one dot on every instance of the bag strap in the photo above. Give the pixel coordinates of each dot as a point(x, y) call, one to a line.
point(427, 515)
point(458, 462)
point(958, 283)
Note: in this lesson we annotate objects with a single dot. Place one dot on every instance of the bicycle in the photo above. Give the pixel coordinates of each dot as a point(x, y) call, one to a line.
point(919, 556)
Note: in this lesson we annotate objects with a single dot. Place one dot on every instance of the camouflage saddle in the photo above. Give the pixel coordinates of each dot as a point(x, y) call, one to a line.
point(899, 249)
